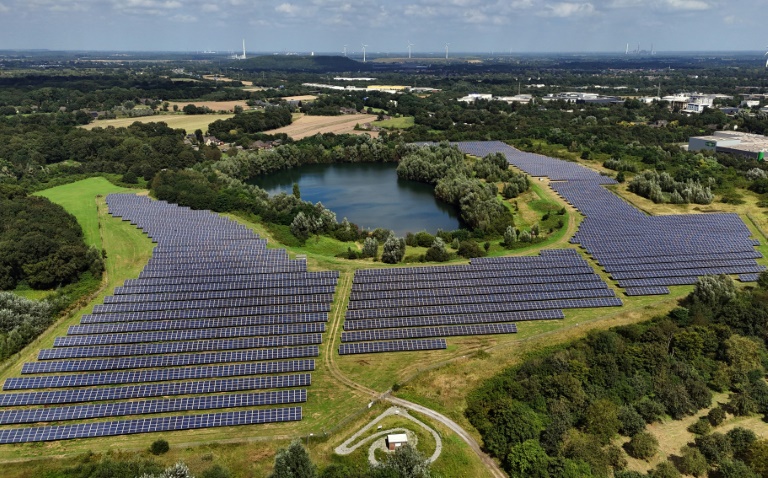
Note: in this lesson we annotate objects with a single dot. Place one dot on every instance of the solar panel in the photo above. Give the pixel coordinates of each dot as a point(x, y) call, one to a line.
point(146, 407)
point(159, 375)
point(631, 291)
point(412, 333)
point(391, 346)
point(147, 425)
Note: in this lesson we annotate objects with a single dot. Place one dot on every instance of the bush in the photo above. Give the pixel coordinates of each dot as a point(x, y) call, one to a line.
point(642, 446)
point(650, 410)
point(700, 427)
point(632, 422)
point(716, 416)
point(159, 447)
point(665, 469)
point(715, 447)
point(470, 249)
point(692, 462)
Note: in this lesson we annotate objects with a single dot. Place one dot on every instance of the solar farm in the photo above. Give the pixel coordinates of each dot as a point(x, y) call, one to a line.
point(644, 254)
point(218, 330)
point(216, 322)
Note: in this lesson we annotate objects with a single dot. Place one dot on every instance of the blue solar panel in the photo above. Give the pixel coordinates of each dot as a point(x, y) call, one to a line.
point(391, 346)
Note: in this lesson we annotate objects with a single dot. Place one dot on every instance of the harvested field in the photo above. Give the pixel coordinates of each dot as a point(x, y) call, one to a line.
point(310, 125)
point(189, 123)
point(224, 78)
point(300, 98)
point(214, 105)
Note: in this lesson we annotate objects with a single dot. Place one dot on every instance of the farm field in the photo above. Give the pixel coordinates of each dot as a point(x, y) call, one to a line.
point(403, 122)
point(189, 123)
point(300, 98)
point(305, 125)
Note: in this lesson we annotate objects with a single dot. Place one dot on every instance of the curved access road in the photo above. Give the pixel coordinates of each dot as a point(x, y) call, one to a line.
point(491, 465)
point(344, 287)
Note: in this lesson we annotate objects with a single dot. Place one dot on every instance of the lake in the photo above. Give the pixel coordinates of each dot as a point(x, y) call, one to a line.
point(368, 194)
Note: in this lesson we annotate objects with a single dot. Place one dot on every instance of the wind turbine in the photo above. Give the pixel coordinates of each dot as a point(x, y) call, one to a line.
point(446, 50)
point(766, 61)
point(409, 48)
point(364, 45)
point(345, 50)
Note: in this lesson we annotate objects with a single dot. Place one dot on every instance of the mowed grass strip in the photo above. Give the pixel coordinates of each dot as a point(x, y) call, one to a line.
point(79, 199)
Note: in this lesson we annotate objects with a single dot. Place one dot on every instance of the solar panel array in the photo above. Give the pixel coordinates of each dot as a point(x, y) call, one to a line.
point(215, 321)
point(411, 308)
point(644, 254)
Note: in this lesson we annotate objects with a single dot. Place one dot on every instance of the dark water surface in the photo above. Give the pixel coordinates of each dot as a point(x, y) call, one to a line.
point(368, 194)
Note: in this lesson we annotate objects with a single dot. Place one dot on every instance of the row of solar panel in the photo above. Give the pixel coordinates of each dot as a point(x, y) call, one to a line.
point(234, 278)
point(148, 425)
point(632, 291)
point(391, 346)
point(177, 360)
point(147, 407)
point(483, 308)
point(220, 294)
point(208, 313)
point(298, 266)
point(211, 303)
point(687, 272)
point(179, 347)
point(475, 282)
point(489, 289)
point(275, 285)
point(189, 334)
point(421, 332)
point(478, 273)
point(526, 263)
point(479, 299)
point(464, 319)
point(166, 325)
point(153, 390)
point(158, 375)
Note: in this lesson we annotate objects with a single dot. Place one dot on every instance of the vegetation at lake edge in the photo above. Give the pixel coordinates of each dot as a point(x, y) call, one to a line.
point(560, 413)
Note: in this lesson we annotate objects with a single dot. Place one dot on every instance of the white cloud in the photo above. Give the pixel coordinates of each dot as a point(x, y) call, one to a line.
point(688, 5)
point(568, 9)
point(181, 18)
point(288, 9)
point(4, 9)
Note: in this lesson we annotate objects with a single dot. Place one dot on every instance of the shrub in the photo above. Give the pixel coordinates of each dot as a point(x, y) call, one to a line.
point(665, 469)
point(631, 421)
point(716, 416)
point(642, 446)
point(700, 427)
point(470, 249)
point(692, 462)
point(159, 447)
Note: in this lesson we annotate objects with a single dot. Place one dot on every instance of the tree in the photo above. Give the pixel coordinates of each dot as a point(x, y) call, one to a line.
point(527, 460)
point(736, 469)
point(602, 420)
point(301, 226)
point(642, 446)
point(296, 191)
point(370, 247)
point(510, 237)
point(692, 462)
point(394, 250)
point(437, 252)
point(715, 447)
point(631, 421)
point(525, 236)
point(716, 416)
point(714, 290)
point(741, 440)
point(405, 462)
point(665, 469)
point(757, 457)
point(293, 462)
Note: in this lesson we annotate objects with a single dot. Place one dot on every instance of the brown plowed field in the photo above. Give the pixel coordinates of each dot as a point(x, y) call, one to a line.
point(311, 125)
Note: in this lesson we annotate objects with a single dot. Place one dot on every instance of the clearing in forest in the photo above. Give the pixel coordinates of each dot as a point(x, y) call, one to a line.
point(310, 125)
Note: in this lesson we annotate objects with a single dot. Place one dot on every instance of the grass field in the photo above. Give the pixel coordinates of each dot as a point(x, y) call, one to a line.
point(306, 125)
point(404, 122)
point(79, 199)
point(188, 123)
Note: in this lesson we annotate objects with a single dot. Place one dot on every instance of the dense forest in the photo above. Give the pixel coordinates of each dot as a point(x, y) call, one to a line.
point(41, 245)
point(561, 413)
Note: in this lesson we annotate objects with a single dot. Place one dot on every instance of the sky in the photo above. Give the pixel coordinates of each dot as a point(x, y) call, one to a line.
point(385, 26)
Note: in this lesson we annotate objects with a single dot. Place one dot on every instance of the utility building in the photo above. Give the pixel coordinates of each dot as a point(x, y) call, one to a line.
point(752, 146)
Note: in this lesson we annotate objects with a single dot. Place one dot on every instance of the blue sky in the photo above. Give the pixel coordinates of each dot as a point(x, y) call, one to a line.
point(386, 26)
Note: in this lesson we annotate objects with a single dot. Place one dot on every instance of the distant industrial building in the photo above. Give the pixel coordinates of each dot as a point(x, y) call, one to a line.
point(583, 98)
point(693, 103)
point(752, 146)
point(472, 97)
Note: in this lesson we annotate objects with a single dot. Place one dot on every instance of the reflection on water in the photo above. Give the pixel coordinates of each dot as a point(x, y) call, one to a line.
point(368, 194)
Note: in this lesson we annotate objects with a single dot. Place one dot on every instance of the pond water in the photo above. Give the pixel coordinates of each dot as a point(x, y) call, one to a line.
point(368, 194)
